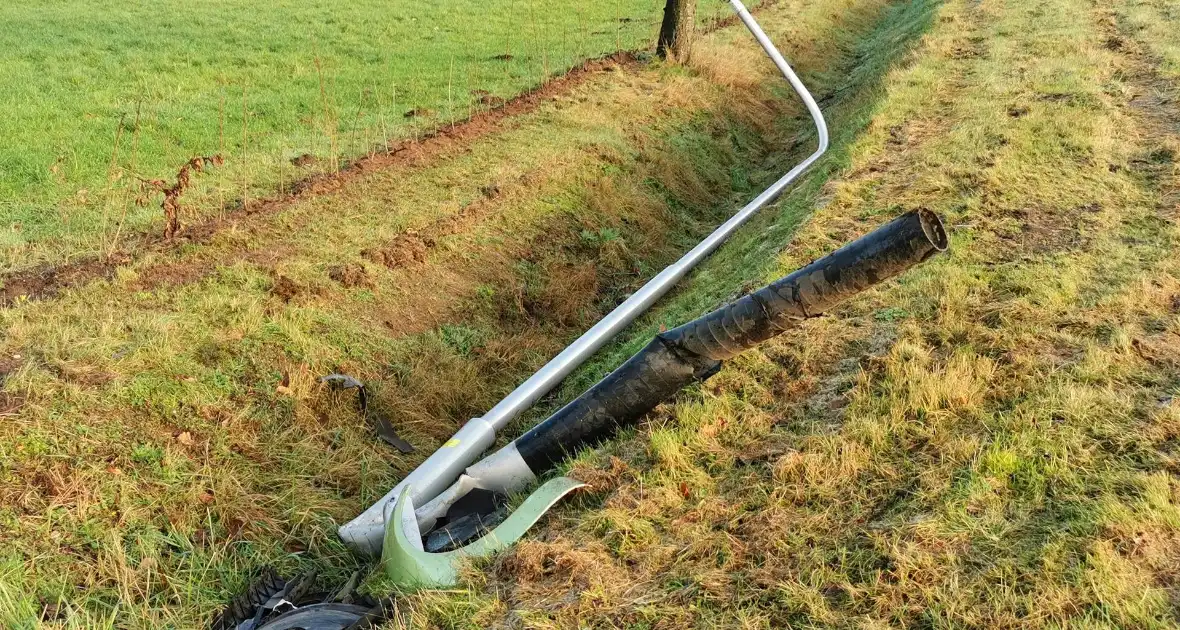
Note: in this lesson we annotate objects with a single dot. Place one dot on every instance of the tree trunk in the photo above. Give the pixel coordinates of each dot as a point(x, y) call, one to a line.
point(677, 30)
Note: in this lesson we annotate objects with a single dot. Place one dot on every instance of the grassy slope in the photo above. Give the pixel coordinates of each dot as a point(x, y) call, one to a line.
point(156, 461)
point(990, 442)
point(72, 73)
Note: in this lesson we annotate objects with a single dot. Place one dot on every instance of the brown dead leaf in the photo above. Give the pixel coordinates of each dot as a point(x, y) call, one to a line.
point(284, 386)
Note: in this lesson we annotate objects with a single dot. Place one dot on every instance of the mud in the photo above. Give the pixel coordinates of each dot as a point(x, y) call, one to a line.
point(405, 250)
point(285, 288)
point(47, 281)
point(349, 275)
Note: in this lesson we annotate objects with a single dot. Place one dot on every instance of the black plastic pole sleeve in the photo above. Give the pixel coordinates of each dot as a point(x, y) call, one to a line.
point(694, 351)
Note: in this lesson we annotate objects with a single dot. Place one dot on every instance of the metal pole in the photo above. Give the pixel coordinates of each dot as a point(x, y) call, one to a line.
point(444, 466)
point(546, 378)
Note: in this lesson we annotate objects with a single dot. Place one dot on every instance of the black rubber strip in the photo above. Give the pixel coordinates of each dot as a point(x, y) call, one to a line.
point(694, 351)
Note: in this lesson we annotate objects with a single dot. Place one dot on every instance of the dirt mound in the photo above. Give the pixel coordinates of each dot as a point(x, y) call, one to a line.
point(405, 250)
point(285, 288)
point(349, 275)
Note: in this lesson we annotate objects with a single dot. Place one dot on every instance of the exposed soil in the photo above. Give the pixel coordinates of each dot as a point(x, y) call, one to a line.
point(8, 365)
point(1045, 232)
point(349, 275)
point(10, 404)
point(80, 374)
point(306, 159)
point(405, 250)
point(487, 99)
point(285, 288)
point(48, 281)
point(414, 246)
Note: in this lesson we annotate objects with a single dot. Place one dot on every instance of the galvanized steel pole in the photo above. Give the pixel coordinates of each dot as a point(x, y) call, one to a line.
point(445, 465)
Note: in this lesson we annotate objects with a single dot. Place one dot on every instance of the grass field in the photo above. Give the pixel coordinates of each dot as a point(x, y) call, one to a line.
point(95, 101)
point(990, 441)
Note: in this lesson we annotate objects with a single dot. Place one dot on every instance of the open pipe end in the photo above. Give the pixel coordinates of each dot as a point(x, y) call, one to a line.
point(933, 229)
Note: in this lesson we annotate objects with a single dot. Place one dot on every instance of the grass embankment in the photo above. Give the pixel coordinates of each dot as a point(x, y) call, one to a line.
point(163, 432)
point(94, 100)
point(990, 442)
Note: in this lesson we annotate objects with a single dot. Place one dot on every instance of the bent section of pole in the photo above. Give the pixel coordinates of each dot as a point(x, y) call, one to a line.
point(552, 373)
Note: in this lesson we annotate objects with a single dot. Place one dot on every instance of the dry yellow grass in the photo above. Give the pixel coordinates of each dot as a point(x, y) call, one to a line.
point(988, 442)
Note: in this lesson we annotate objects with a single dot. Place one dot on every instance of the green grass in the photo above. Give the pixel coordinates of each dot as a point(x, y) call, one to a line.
point(259, 84)
point(989, 441)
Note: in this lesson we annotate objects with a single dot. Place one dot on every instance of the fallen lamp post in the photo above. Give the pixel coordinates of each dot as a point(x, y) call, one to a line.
point(366, 532)
point(690, 353)
point(460, 501)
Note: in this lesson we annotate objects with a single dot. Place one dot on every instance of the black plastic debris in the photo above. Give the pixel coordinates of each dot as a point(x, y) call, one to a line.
point(380, 423)
point(472, 516)
point(243, 609)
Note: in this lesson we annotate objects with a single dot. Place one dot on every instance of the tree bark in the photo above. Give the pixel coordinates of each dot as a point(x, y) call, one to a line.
point(677, 30)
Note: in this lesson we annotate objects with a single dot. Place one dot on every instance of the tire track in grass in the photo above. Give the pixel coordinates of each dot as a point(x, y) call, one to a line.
point(891, 148)
point(1155, 103)
point(48, 281)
